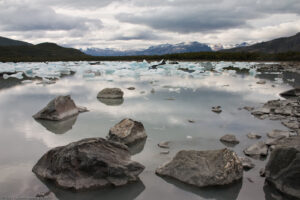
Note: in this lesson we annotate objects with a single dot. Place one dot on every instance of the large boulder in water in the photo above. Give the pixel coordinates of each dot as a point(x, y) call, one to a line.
point(127, 132)
point(283, 168)
point(204, 168)
point(59, 108)
point(88, 163)
point(111, 93)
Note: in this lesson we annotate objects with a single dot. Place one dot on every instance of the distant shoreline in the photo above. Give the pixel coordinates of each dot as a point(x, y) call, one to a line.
point(198, 56)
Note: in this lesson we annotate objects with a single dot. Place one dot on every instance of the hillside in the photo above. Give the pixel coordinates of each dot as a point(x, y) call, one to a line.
point(40, 52)
point(9, 42)
point(280, 45)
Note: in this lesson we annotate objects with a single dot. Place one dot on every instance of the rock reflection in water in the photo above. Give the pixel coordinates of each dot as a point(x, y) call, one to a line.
point(227, 192)
point(111, 102)
point(137, 147)
point(272, 194)
point(59, 127)
point(128, 192)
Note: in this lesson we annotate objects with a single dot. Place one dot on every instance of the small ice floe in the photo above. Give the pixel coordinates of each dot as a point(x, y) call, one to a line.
point(18, 75)
point(291, 80)
point(177, 90)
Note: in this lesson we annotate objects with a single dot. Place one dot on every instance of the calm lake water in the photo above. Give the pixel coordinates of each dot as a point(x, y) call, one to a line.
point(179, 96)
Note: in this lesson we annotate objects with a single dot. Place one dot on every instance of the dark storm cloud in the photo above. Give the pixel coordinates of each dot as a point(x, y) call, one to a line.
point(203, 15)
point(20, 17)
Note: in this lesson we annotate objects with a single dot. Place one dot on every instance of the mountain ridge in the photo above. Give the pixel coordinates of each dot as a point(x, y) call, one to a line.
point(10, 42)
point(279, 45)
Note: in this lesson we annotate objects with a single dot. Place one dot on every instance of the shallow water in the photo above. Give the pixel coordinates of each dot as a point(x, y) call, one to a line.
point(178, 97)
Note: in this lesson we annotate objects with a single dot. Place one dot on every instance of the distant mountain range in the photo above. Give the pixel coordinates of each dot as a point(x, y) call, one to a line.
point(280, 45)
point(152, 50)
point(14, 50)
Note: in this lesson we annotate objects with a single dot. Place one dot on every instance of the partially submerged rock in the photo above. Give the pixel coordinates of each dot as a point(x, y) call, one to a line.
point(59, 108)
point(111, 93)
point(237, 69)
point(163, 62)
point(204, 168)
point(257, 149)
point(88, 163)
point(127, 132)
point(253, 136)
point(131, 88)
point(278, 134)
point(291, 93)
point(261, 82)
point(186, 70)
point(216, 109)
point(247, 163)
point(164, 145)
point(229, 138)
point(288, 111)
point(283, 168)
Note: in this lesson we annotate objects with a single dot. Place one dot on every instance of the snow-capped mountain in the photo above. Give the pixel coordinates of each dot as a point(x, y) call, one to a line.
point(152, 50)
point(218, 47)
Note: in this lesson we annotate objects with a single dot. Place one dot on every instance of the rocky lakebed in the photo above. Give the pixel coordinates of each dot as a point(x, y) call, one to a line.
point(150, 130)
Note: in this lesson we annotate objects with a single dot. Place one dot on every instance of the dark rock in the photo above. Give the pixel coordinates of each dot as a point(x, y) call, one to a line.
point(258, 149)
point(247, 163)
point(60, 108)
point(186, 70)
point(238, 70)
point(163, 62)
point(131, 88)
point(204, 168)
point(253, 136)
point(229, 139)
point(216, 109)
point(127, 132)
point(262, 172)
point(291, 93)
point(283, 167)
point(88, 163)
point(111, 93)
point(95, 63)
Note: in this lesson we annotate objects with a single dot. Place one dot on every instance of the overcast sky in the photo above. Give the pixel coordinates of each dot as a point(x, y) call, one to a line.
point(133, 24)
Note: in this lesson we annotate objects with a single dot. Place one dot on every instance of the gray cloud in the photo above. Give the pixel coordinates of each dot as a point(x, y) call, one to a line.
point(139, 35)
point(186, 16)
point(20, 17)
point(128, 23)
